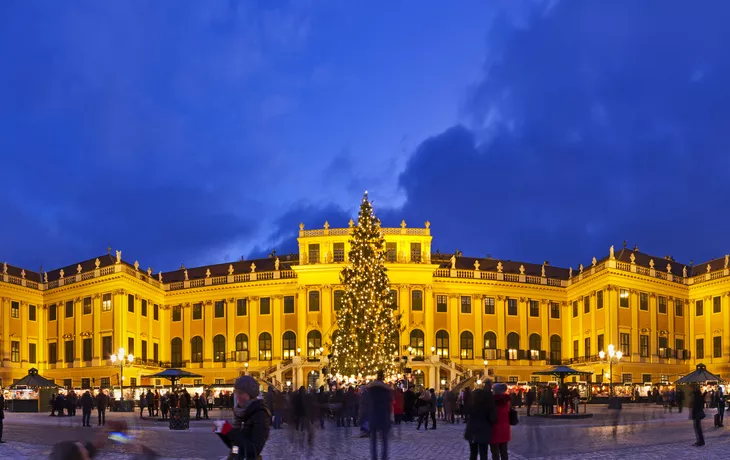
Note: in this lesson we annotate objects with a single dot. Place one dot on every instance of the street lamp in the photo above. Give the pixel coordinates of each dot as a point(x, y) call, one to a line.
point(122, 359)
point(611, 356)
point(245, 365)
point(486, 369)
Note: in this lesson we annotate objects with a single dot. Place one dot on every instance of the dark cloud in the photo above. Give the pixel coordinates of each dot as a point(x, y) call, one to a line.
point(285, 231)
point(595, 123)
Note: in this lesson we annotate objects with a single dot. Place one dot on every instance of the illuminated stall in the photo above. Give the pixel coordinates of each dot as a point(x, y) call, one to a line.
point(30, 394)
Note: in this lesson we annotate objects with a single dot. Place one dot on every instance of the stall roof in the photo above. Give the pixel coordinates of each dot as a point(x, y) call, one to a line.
point(34, 380)
point(699, 375)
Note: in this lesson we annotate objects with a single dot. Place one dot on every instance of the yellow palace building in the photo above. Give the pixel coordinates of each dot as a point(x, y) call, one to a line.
point(274, 317)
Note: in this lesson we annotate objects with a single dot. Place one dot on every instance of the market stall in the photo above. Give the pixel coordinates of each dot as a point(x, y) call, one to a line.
point(30, 394)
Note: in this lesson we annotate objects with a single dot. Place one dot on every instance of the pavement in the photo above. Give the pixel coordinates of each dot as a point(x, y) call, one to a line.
point(637, 432)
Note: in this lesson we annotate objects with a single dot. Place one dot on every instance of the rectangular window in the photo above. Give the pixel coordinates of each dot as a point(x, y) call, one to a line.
point(313, 300)
point(70, 309)
point(600, 343)
point(69, 356)
point(52, 353)
point(643, 301)
point(337, 303)
point(31, 353)
point(198, 310)
point(338, 252)
point(106, 302)
point(644, 346)
point(106, 346)
point(130, 303)
point(15, 351)
point(662, 305)
point(700, 351)
point(716, 305)
point(85, 383)
point(554, 310)
point(87, 305)
point(130, 345)
point(534, 308)
point(105, 382)
point(587, 347)
point(662, 345)
point(265, 306)
point(289, 302)
point(679, 344)
point(625, 343)
point(586, 304)
point(511, 307)
point(466, 304)
point(513, 378)
point(441, 304)
point(416, 300)
point(391, 252)
point(144, 350)
point(626, 378)
point(599, 300)
point(155, 312)
point(219, 309)
point(31, 312)
point(678, 307)
point(576, 349)
point(177, 313)
point(15, 309)
point(392, 299)
point(87, 349)
point(623, 298)
point(52, 312)
point(133, 381)
point(575, 309)
point(313, 253)
point(241, 306)
point(68, 383)
point(717, 347)
point(156, 352)
point(143, 307)
point(645, 378)
point(699, 308)
point(489, 306)
point(416, 252)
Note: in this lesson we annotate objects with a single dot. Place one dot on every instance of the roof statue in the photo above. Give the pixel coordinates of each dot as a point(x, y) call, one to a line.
point(542, 273)
point(22, 274)
point(476, 265)
point(186, 275)
point(45, 277)
point(594, 261)
point(97, 263)
point(403, 224)
point(651, 263)
point(149, 271)
point(276, 264)
point(159, 276)
point(253, 267)
point(669, 268)
point(5, 268)
point(78, 268)
point(351, 223)
point(708, 268)
point(632, 258)
point(522, 269)
point(727, 260)
point(453, 262)
point(230, 269)
point(60, 273)
point(207, 273)
point(570, 272)
point(684, 272)
point(499, 267)
point(326, 225)
point(611, 253)
point(580, 268)
point(136, 265)
point(119, 257)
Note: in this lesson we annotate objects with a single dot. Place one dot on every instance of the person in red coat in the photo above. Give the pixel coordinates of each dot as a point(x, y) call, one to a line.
point(398, 405)
point(501, 430)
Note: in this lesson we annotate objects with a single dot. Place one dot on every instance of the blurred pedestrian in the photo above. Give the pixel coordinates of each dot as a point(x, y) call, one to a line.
point(479, 423)
point(87, 403)
point(698, 413)
point(501, 429)
point(380, 410)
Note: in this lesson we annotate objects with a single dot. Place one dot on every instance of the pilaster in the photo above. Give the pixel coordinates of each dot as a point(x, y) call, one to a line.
point(208, 314)
point(96, 312)
point(428, 317)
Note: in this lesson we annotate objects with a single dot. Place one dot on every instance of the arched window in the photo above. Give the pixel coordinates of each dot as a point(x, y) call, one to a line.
point(417, 342)
point(241, 348)
point(467, 345)
point(176, 352)
point(196, 349)
point(555, 349)
point(513, 345)
point(289, 344)
point(314, 343)
point(442, 344)
point(490, 345)
point(535, 346)
point(265, 346)
point(219, 349)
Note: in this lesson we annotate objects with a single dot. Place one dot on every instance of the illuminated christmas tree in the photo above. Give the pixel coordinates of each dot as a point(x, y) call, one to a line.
point(368, 326)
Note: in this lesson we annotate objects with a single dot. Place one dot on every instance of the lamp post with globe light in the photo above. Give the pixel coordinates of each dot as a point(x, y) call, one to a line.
point(122, 359)
point(610, 357)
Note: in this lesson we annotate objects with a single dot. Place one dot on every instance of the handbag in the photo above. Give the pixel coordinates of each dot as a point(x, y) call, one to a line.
point(513, 418)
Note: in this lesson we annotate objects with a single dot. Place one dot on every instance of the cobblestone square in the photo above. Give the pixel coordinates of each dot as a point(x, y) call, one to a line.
point(639, 432)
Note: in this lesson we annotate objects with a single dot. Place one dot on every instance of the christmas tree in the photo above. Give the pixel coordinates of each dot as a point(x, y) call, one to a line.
point(367, 325)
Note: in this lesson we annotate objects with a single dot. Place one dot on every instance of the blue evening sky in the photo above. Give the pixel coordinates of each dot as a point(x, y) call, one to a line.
point(201, 131)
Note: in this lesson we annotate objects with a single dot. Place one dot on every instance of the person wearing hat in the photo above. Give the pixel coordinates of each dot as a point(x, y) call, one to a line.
point(250, 429)
point(501, 429)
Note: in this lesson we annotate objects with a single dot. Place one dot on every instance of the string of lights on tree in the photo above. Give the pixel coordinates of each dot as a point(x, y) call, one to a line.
point(368, 326)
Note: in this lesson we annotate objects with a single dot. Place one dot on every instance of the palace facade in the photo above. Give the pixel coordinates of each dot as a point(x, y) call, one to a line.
point(274, 317)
